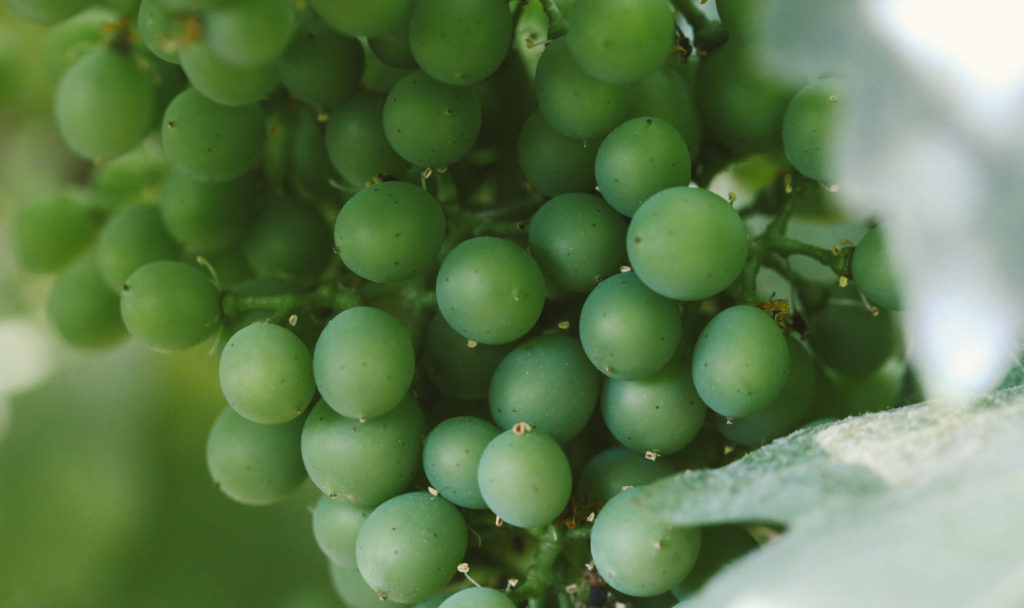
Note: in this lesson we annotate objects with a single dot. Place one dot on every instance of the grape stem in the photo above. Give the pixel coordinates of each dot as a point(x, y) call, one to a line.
point(708, 33)
point(552, 540)
point(283, 305)
point(556, 22)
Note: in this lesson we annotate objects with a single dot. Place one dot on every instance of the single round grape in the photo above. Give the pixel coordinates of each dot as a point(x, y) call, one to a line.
point(210, 141)
point(639, 158)
point(321, 67)
point(810, 125)
point(353, 590)
point(132, 237)
point(409, 546)
point(104, 104)
point(637, 554)
point(741, 104)
point(390, 232)
point(627, 330)
point(289, 240)
point(873, 271)
point(478, 597)
point(356, 143)
point(459, 42)
point(363, 462)
point(525, 477)
point(255, 464)
point(740, 361)
point(490, 290)
point(85, 311)
point(429, 123)
point(162, 30)
point(203, 216)
point(667, 93)
point(266, 373)
point(363, 362)
point(573, 102)
point(621, 40)
point(51, 231)
point(548, 383)
point(170, 305)
point(336, 524)
point(660, 413)
point(451, 457)
point(224, 82)
point(455, 366)
point(249, 33)
point(612, 470)
point(719, 545)
point(687, 243)
point(392, 47)
point(786, 411)
point(361, 18)
point(578, 240)
point(847, 337)
point(555, 164)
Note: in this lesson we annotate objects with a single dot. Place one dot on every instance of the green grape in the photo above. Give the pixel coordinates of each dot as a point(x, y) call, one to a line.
point(390, 232)
point(46, 12)
point(223, 82)
point(364, 462)
point(305, 327)
point(134, 177)
point(810, 124)
point(459, 41)
point(786, 411)
point(163, 30)
point(850, 339)
point(202, 216)
point(170, 305)
point(614, 469)
point(740, 361)
point(210, 141)
point(408, 548)
point(249, 33)
point(490, 290)
point(740, 17)
point(336, 524)
point(289, 240)
point(578, 240)
point(84, 310)
point(75, 36)
point(573, 102)
point(354, 591)
point(687, 243)
point(295, 157)
point(627, 330)
point(51, 231)
point(363, 362)
point(255, 464)
point(639, 158)
point(636, 553)
point(361, 18)
point(666, 94)
point(555, 164)
point(454, 367)
point(839, 395)
point(392, 47)
point(478, 597)
point(660, 413)
point(621, 40)
point(321, 67)
point(429, 123)
point(451, 458)
point(132, 237)
point(719, 545)
point(356, 143)
point(873, 271)
point(741, 103)
point(266, 373)
point(104, 104)
point(524, 477)
point(548, 383)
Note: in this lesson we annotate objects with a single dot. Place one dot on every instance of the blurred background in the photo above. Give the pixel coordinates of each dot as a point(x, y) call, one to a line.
point(104, 495)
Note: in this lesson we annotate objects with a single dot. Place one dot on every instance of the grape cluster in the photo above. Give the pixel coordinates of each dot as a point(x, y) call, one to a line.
point(429, 239)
